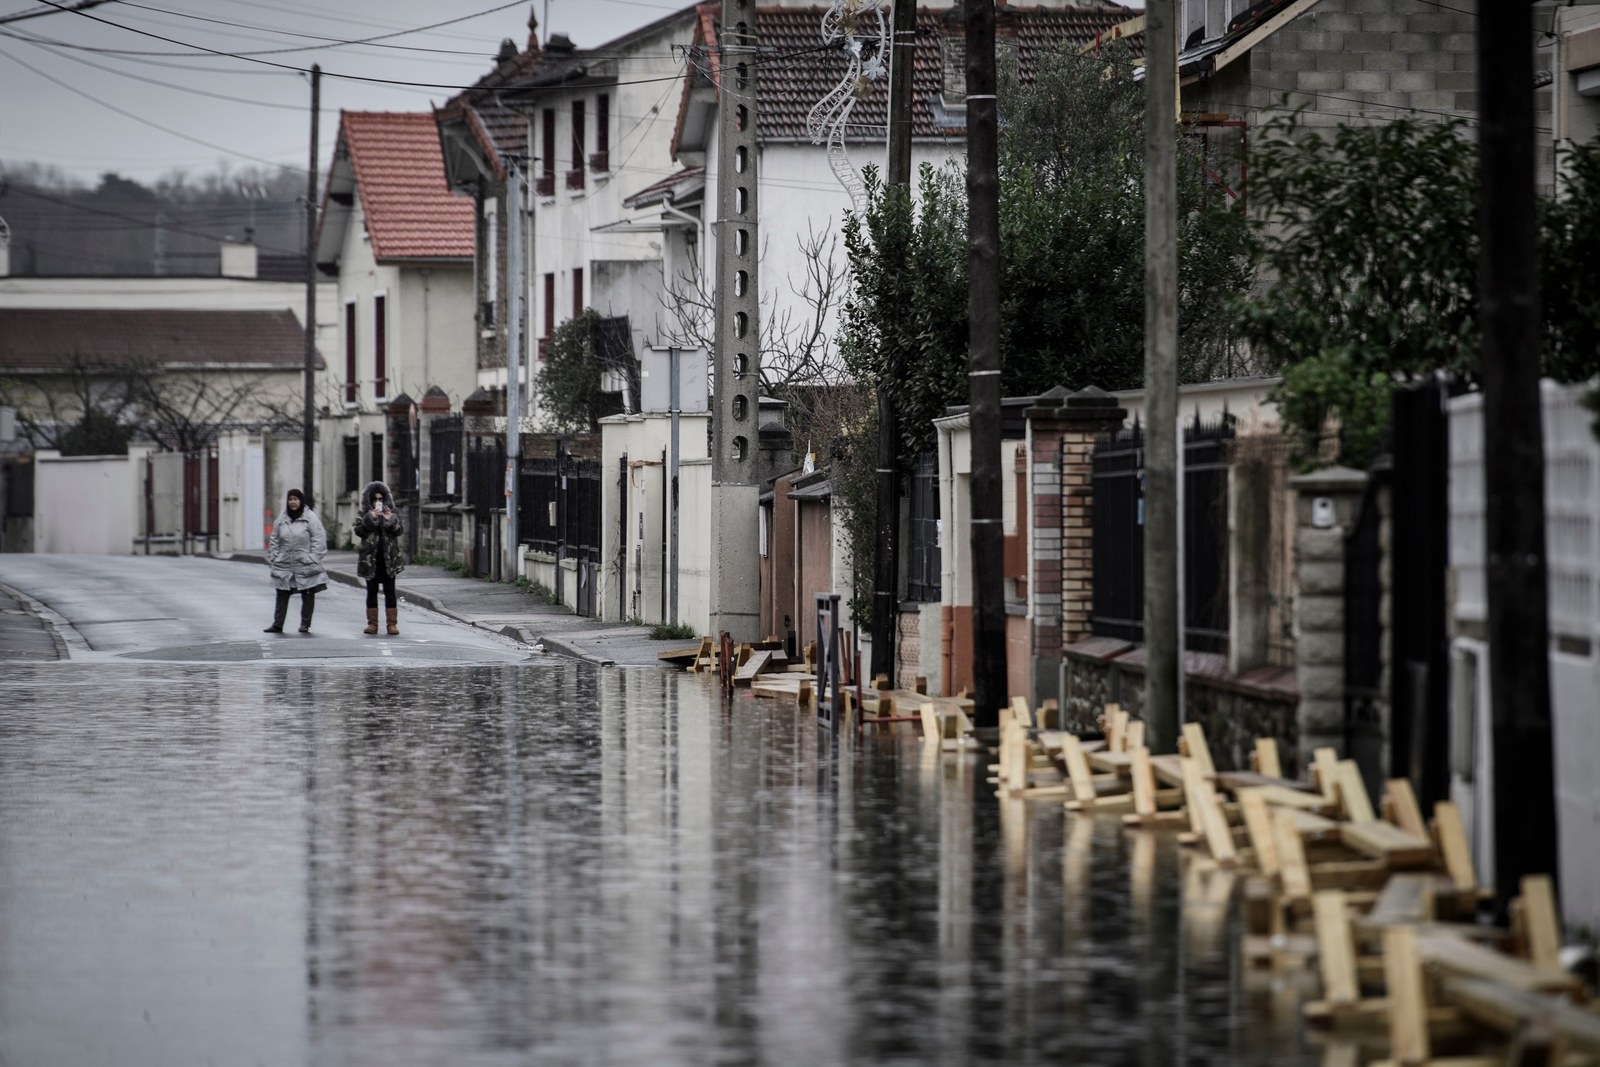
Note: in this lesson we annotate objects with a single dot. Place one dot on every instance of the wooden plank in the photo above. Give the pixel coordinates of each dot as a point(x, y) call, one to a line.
point(1507, 1010)
point(1019, 708)
point(1406, 900)
point(1292, 870)
point(1353, 792)
point(1116, 729)
point(754, 664)
point(1078, 769)
point(1453, 845)
point(1135, 735)
point(1542, 923)
point(1267, 762)
point(1233, 781)
point(1144, 783)
point(1112, 762)
point(1323, 761)
point(1449, 953)
point(1191, 794)
point(1168, 768)
point(1387, 842)
point(1336, 948)
point(1279, 797)
point(1408, 1004)
point(1219, 838)
point(1116, 803)
point(1400, 804)
point(1258, 821)
point(1199, 749)
point(932, 727)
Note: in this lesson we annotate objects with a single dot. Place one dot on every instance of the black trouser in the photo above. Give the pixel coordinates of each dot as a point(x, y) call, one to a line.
point(385, 579)
point(308, 605)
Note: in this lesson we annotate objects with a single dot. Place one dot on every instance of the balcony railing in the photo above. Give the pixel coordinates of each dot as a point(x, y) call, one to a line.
point(545, 185)
point(575, 178)
point(600, 162)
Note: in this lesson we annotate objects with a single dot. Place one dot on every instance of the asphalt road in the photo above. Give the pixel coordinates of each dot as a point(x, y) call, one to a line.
point(194, 610)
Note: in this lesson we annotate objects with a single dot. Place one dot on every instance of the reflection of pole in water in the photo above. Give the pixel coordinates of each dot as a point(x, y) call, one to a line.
point(955, 908)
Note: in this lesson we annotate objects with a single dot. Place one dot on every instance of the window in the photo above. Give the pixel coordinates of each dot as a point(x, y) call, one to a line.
point(375, 457)
point(575, 175)
point(549, 305)
point(547, 177)
point(577, 291)
point(600, 162)
point(350, 352)
point(352, 463)
point(380, 341)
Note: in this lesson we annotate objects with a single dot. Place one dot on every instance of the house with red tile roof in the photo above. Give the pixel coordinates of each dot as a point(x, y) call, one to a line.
point(401, 247)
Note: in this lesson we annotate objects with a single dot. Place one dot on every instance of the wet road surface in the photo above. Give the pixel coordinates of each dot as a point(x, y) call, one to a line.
point(536, 860)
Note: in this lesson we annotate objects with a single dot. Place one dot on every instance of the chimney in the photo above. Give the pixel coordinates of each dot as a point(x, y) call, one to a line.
point(239, 257)
point(508, 51)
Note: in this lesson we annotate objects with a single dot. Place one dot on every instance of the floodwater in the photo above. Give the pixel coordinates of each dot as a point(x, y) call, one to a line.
point(557, 863)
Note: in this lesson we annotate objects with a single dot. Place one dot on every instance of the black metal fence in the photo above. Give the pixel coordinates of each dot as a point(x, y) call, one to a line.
point(486, 474)
point(559, 514)
point(923, 577)
point(1118, 483)
point(444, 459)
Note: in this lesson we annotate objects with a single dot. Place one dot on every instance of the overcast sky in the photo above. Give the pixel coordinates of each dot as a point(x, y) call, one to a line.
point(143, 115)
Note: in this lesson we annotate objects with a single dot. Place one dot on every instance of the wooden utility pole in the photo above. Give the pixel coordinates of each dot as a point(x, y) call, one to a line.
point(983, 376)
point(1513, 447)
point(886, 574)
point(1161, 599)
point(309, 429)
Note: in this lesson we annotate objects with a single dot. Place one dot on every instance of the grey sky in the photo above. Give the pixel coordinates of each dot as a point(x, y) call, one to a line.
point(67, 123)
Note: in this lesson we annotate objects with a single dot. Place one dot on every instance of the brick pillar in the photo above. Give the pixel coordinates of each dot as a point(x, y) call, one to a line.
point(1326, 507)
point(1061, 431)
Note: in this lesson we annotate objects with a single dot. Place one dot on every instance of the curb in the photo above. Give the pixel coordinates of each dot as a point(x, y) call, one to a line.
point(62, 633)
point(521, 634)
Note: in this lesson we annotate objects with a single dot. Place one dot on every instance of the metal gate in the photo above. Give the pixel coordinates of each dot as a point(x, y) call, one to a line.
point(1363, 640)
point(559, 514)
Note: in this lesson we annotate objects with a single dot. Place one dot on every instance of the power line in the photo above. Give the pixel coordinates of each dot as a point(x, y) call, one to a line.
point(141, 119)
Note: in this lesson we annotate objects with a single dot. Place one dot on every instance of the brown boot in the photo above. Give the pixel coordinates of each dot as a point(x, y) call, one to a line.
point(372, 621)
point(394, 621)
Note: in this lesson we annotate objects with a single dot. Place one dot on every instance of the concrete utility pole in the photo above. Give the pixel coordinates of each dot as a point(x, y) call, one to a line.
point(1525, 837)
point(735, 594)
point(1161, 622)
point(983, 375)
point(309, 429)
point(517, 287)
point(886, 575)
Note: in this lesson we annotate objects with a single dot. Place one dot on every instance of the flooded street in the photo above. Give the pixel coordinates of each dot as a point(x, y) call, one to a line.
point(554, 862)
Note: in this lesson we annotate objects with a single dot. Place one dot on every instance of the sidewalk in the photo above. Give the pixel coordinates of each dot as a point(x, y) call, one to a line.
point(505, 609)
point(24, 635)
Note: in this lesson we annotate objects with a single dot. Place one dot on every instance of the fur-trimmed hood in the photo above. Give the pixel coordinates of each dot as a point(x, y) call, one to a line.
point(372, 489)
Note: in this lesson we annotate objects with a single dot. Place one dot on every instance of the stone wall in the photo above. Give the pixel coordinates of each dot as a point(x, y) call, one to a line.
point(1235, 709)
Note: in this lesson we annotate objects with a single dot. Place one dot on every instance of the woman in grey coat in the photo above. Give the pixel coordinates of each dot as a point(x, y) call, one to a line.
point(294, 552)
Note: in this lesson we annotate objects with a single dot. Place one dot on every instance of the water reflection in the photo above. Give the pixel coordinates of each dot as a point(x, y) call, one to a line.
point(554, 863)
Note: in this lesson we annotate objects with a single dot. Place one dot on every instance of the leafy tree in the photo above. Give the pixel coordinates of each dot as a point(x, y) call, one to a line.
point(571, 383)
point(1367, 243)
point(1368, 247)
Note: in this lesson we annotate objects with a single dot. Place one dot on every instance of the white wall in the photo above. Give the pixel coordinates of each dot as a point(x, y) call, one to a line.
point(85, 505)
point(432, 339)
point(1572, 531)
point(644, 439)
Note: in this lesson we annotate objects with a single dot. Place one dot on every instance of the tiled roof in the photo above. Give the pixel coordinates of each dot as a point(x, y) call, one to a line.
point(44, 339)
point(793, 75)
point(399, 174)
point(655, 192)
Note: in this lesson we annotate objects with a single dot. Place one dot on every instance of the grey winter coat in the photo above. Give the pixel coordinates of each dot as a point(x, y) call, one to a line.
point(294, 552)
point(380, 537)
